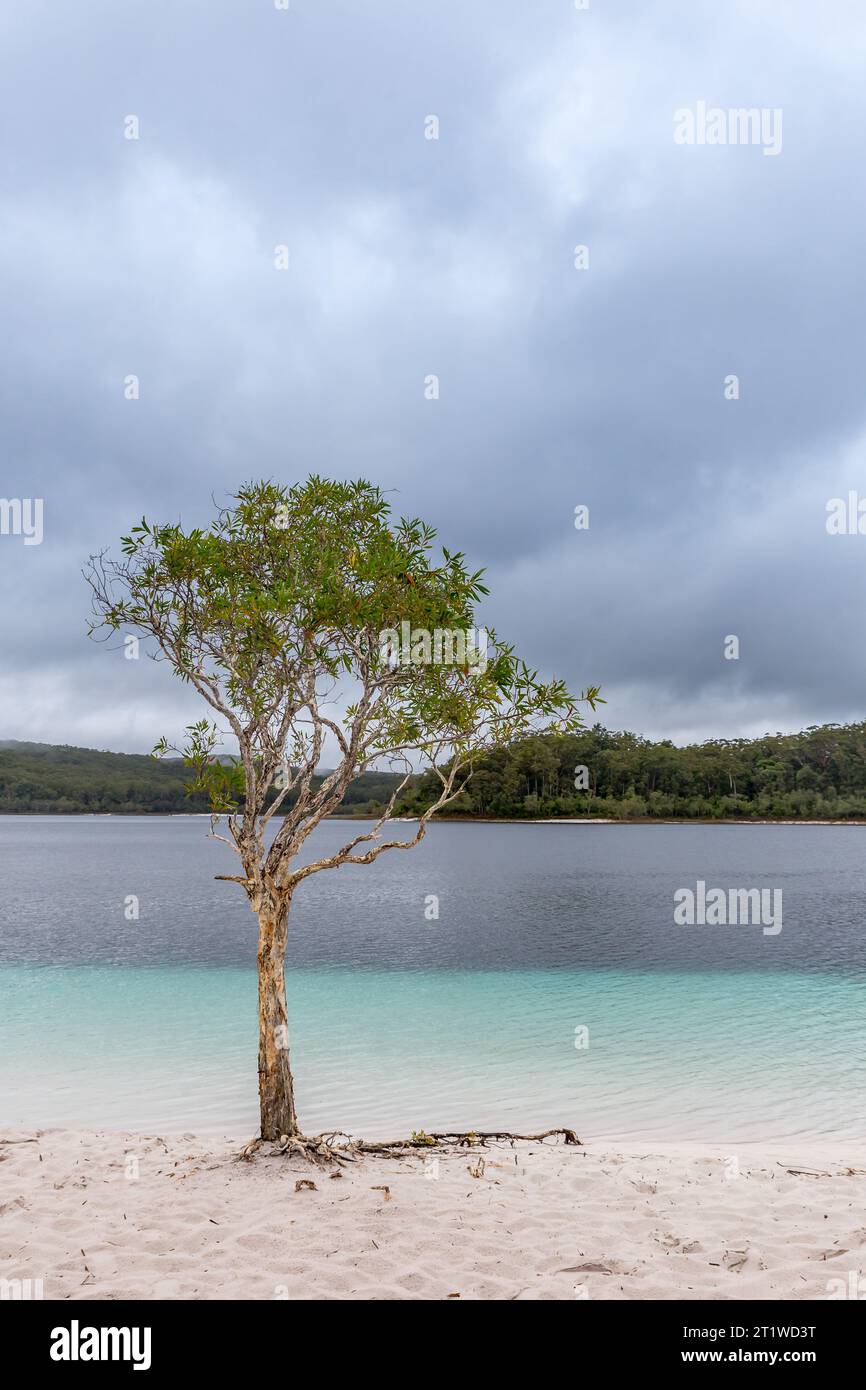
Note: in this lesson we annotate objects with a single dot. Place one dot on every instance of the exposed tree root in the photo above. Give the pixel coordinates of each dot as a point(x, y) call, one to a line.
point(446, 1140)
point(316, 1148)
point(337, 1147)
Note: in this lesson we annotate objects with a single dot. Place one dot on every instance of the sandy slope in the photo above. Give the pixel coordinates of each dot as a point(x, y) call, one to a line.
point(538, 1222)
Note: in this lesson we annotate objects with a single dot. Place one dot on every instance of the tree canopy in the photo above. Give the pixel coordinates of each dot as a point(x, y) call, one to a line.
point(274, 614)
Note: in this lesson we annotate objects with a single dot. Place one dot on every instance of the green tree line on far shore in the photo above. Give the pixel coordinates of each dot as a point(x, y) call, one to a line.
point(42, 778)
point(819, 774)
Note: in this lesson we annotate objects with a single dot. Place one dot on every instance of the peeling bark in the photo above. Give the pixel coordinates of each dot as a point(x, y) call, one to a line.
point(276, 1089)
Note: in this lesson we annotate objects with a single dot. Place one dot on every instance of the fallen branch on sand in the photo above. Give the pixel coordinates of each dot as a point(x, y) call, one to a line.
point(821, 1172)
point(337, 1147)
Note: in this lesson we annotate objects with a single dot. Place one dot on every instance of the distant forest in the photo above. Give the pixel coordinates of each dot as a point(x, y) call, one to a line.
point(819, 774)
point(39, 777)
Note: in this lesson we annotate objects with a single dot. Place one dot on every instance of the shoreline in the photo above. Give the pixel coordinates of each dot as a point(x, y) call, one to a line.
point(443, 820)
point(114, 1215)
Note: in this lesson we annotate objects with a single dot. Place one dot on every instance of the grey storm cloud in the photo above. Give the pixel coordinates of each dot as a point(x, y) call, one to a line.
point(408, 257)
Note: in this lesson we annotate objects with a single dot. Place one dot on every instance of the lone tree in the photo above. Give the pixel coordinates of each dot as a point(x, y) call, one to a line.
point(284, 615)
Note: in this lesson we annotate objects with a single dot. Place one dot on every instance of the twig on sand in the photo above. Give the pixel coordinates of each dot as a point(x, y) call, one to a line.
point(805, 1172)
point(821, 1173)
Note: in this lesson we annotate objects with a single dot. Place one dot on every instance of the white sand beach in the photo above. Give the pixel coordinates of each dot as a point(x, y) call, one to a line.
point(123, 1216)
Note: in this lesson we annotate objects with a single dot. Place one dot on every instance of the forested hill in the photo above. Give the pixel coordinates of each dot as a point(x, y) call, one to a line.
point(39, 777)
point(814, 775)
point(819, 774)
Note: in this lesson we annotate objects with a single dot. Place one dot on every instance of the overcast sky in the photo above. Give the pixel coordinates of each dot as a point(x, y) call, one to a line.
point(409, 257)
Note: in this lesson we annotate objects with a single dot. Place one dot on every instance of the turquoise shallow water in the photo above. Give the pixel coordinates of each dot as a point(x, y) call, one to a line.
point(399, 1022)
point(716, 1056)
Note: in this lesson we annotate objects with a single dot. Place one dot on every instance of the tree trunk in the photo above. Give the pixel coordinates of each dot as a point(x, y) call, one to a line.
point(276, 1091)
